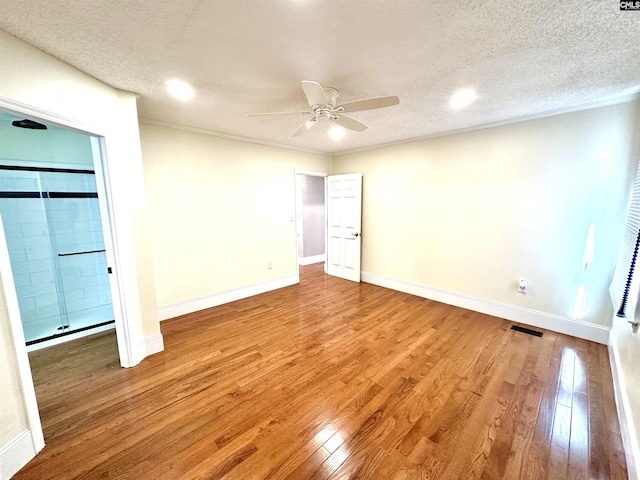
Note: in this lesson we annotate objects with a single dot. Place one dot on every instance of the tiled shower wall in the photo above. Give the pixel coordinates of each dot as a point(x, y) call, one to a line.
point(50, 217)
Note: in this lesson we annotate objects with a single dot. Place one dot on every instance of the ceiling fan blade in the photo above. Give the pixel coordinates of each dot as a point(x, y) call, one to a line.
point(348, 122)
point(304, 127)
point(369, 104)
point(276, 113)
point(314, 93)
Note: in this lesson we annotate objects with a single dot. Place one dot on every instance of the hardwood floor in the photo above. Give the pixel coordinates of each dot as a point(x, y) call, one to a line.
point(330, 380)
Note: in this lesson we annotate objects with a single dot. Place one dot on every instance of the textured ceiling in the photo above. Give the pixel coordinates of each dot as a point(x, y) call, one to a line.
point(524, 58)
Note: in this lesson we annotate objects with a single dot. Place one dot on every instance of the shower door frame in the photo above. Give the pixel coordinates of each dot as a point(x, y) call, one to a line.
point(124, 327)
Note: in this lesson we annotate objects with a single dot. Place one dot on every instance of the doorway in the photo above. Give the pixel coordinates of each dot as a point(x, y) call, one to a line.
point(311, 217)
point(51, 213)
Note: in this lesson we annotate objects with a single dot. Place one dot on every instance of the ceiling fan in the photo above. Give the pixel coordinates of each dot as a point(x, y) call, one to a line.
point(323, 105)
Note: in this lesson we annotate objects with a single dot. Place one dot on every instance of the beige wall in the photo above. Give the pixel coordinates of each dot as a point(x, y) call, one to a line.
point(31, 79)
point(220, 210)
point(472, 213)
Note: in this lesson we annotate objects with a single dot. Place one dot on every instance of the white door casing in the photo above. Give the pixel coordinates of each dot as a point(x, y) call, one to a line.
point(344, 201)
point(124, 328)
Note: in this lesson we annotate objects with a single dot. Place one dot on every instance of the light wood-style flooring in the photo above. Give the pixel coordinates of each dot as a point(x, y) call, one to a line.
point(330, 379)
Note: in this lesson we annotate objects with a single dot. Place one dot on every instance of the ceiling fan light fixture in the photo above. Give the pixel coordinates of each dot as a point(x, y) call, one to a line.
point(462, 98)
point(180, 89)
point(336, 133)
point(323, 104)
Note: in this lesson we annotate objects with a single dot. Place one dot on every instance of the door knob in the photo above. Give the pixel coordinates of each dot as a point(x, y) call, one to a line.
point(355, 234)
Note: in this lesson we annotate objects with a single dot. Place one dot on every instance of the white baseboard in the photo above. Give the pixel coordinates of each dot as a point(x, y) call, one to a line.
point(16, 454)
point(147, 346)
point(313, 259)
point(152, 344)
point(219, 298)
point(548, 321)
point(627, 428)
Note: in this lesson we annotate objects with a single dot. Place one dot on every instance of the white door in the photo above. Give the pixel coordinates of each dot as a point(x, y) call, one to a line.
point(343, 222)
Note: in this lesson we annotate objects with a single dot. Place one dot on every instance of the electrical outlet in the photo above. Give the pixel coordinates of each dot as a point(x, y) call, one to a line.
point(269, 267)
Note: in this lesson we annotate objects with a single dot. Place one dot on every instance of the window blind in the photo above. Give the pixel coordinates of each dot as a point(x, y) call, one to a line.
point(624, 287)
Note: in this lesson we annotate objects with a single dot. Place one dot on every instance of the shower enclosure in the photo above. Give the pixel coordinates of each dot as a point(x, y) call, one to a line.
point(52, 224)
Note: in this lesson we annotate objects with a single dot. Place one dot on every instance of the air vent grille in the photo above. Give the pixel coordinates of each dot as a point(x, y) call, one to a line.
point(528, 331)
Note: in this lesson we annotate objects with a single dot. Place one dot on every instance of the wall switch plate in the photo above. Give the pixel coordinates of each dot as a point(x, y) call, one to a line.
point(522, 286)
point(269, 266)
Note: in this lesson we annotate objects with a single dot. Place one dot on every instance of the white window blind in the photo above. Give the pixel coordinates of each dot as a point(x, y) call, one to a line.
point(624, 287)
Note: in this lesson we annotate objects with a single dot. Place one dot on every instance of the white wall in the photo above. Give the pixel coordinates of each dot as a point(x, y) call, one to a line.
point(624, 351)
point(473, 213)
point(32, 81)
point(54, 145)
point(313, 215)
point(220, 211)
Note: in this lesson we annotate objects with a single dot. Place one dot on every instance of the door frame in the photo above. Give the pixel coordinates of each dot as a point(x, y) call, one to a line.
point(298, 202)
point(20, 345)
point(123, 324)
point(125, 343)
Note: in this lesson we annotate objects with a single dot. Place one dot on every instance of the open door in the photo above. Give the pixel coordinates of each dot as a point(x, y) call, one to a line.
point(343, 225)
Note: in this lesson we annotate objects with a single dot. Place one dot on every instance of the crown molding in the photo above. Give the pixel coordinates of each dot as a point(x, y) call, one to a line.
point(237, 138)
point(616, 100)
point(511, 121)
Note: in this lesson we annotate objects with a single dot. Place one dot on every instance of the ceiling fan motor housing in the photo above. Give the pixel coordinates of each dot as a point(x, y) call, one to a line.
point(332, 96)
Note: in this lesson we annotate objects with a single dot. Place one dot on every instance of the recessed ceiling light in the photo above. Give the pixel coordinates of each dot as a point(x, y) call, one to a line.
point(336, 133)
point(462, 98)
point(180, 90)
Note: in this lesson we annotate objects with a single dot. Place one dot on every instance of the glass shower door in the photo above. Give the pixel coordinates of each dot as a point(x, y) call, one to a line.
point(73, 216)
point(34, 271)
point(52, 225)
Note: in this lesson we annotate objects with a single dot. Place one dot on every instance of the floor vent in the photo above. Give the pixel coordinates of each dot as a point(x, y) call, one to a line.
point(526, 330)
